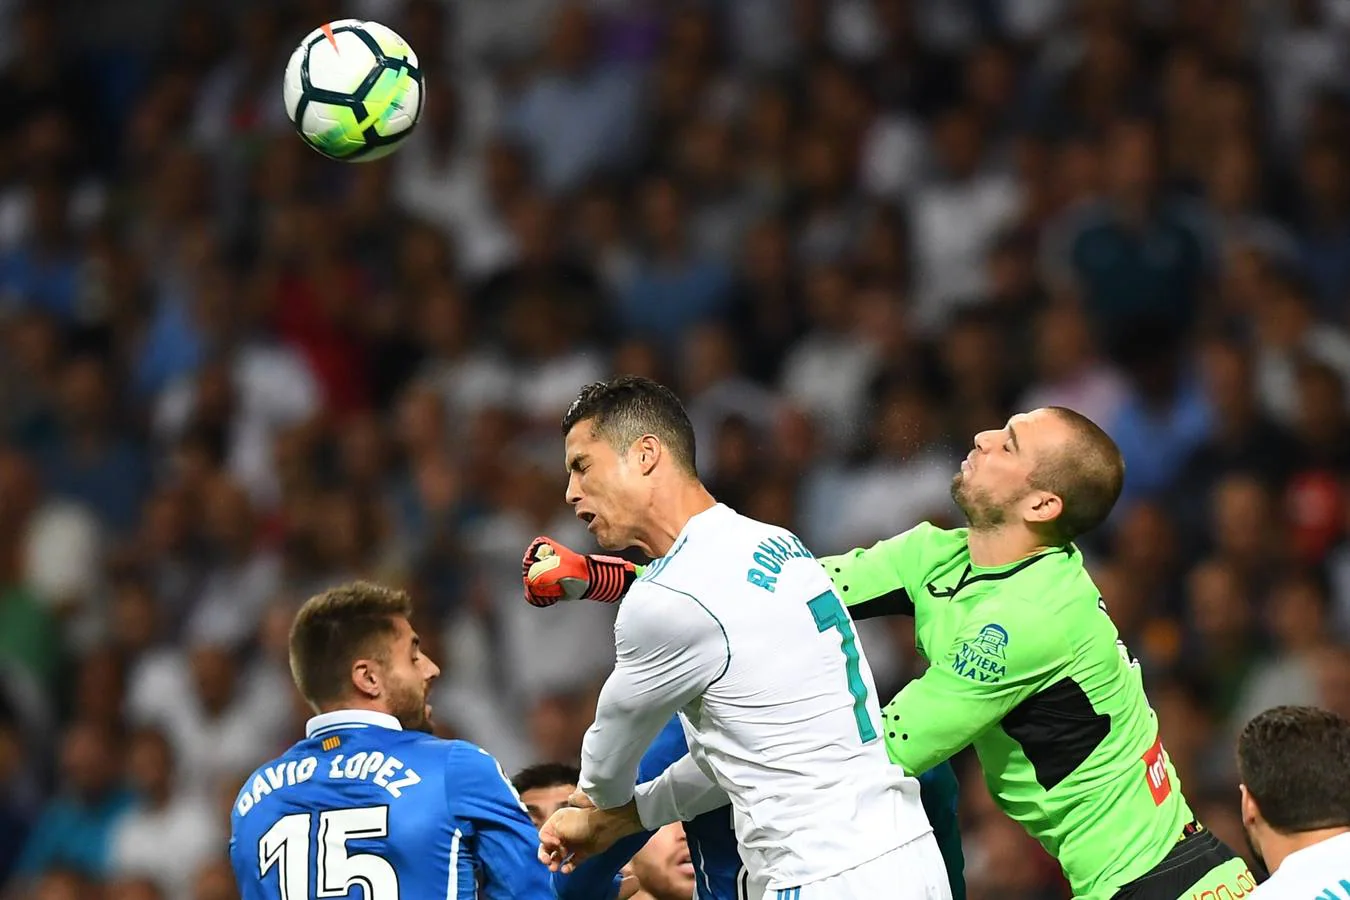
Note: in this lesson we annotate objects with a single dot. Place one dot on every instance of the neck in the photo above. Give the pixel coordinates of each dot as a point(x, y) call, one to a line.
point(1002, 545)
point(1277, 847)
point(669, 518)
point(366, 704)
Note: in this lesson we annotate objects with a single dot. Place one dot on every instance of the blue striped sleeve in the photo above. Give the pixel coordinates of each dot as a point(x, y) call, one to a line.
point(504, 840)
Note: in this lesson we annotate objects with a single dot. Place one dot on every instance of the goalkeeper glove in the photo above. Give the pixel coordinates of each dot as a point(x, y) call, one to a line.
point(552, 572)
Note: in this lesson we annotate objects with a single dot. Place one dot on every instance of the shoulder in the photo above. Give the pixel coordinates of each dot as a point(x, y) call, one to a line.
point(745, 540)
point(460, 753)
point(659, 611)
point(476, 770)
point(1019, 624)
point(1055, 585)
point(267, 777)
point(926, 546)
point(928, 533)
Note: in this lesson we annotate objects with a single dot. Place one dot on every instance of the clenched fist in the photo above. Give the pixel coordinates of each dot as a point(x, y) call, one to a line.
point(553, 572)
point(575, 833)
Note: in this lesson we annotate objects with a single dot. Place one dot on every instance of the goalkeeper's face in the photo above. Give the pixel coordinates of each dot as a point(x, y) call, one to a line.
point(993, 486)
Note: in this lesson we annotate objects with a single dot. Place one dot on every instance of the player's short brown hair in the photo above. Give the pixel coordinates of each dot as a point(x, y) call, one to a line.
point(1086, 474)
point(625, 408)
point(335, 629)
point(1293, 760)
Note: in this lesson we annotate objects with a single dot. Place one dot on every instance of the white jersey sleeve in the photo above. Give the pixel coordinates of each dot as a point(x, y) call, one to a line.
point(678, 794)
point(668, 649)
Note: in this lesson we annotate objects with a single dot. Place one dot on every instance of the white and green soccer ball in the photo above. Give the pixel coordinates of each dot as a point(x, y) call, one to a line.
point(353, 90)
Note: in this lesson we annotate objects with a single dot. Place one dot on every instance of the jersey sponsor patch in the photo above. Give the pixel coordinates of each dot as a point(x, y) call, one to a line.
point(983, 659)
point(1155, 772)
point(992, 639)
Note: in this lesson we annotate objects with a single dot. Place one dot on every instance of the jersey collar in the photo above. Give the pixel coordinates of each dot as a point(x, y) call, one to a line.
point(349, 718)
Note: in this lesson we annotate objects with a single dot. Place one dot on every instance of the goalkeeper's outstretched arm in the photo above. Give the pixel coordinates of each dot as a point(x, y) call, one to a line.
point(869, 581)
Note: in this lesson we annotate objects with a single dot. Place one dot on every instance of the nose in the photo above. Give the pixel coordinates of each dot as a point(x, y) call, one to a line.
point(433, 671)
point(573, 489)
point(983, 440)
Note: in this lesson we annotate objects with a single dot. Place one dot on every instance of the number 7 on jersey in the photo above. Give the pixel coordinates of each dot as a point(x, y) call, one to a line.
point(829, 613)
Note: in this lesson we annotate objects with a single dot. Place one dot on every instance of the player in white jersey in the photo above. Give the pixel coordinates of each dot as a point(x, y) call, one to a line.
point(736, 627)
point(1294, 762)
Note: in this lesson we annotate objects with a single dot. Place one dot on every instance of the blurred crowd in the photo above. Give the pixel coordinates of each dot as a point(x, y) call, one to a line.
point(851, 233)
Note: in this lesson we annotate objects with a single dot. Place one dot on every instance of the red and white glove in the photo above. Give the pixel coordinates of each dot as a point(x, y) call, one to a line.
point(553, 572)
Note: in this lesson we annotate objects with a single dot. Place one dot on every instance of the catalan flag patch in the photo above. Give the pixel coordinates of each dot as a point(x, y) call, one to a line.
point(331, 743)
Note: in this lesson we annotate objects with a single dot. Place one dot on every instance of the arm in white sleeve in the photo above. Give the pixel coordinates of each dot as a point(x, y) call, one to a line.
point(678, 794)
point(668, 649)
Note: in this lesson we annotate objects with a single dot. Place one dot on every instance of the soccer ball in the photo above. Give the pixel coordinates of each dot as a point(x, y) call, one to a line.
point(353, 90)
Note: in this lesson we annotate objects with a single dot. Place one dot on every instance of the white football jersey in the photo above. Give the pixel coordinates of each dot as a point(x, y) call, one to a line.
point(1322, 870)
point(739, 630)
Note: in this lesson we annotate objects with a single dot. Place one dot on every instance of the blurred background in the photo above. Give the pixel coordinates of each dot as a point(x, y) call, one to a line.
point(851, 233)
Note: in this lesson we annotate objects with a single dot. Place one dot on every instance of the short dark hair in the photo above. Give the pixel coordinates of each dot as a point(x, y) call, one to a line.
point(1086, 474)
point(1293, 761)
point(546, 775)
point(623, 409)
point(335, 629)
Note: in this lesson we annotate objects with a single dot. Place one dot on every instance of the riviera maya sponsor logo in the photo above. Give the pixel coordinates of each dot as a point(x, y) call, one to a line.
point(983, 658)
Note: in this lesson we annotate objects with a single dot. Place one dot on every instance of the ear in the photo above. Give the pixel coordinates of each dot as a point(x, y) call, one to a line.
point(1042, 507)
point(366, 680)
point(648, 451)
point(1250, 811)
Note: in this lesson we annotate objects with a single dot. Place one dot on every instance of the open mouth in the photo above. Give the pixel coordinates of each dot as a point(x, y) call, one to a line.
point(587, 517)
point(685, 863)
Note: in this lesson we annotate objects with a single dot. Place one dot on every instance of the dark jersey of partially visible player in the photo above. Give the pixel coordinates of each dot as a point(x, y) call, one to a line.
point(363, 809)
point(718, 871)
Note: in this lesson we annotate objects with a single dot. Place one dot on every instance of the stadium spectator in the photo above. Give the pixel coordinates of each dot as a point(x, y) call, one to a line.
point(170, 832)
point(74, 830)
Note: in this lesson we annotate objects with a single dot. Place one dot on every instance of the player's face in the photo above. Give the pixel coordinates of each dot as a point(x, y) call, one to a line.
point(604, 488)
point(542, 802)
point(663, 867)
point(994, 477)
point(408, 675)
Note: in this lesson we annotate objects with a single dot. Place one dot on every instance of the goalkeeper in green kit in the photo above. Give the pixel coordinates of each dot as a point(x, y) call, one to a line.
point(1025, 664)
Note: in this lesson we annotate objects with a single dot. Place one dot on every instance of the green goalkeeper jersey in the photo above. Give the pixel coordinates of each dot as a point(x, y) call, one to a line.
point(1025, 665)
